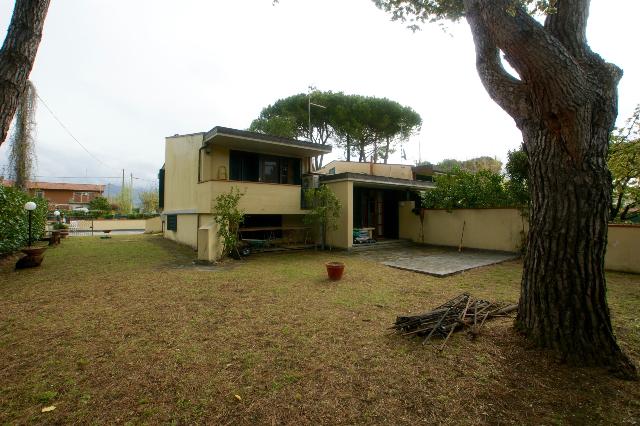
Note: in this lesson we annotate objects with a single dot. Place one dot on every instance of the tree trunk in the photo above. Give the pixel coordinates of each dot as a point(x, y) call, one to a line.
point(563, 302)
point(386, 151)
point(348, 148)
point(17, 55)
point(565, 104)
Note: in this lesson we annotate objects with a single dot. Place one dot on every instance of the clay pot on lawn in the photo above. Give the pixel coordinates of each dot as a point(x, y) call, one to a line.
point(335, 270)
point(33, 251)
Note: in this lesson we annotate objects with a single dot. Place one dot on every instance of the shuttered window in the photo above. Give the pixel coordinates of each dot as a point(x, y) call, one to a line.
point(172, 222)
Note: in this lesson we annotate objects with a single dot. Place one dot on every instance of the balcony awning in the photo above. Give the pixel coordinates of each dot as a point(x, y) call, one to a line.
point(242, 140)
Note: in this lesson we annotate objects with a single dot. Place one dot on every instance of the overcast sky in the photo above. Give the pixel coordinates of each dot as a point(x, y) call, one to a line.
point(123, 74)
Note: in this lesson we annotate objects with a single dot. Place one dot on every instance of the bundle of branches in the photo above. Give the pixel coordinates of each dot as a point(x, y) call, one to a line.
point(458, 313)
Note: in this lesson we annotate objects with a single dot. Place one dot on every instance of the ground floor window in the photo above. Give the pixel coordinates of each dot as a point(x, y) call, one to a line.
point(172, 222)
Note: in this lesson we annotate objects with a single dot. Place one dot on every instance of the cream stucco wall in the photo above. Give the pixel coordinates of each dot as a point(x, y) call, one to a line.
point(152, 225)
point(112, 224)
point(400, 171)
point(623, 248)
point(187, 232)
point(215, 164)
point(501, 229)
point(181, 172)
point(491, 229)
point(342, 237)
point(259, 198)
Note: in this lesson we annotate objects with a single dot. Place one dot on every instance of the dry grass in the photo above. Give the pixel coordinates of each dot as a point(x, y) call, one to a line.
point(113, 331)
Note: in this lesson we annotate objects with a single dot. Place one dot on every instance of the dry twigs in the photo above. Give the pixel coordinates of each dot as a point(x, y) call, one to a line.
point(456, 314)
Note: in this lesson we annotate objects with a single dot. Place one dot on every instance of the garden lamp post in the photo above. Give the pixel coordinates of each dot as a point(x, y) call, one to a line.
point(30, 206)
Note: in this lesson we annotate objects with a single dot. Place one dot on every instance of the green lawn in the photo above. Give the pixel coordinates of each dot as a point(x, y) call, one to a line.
point(127, 331)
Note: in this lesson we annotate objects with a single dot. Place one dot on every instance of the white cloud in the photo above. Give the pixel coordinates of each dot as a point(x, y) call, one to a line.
point(122, 75)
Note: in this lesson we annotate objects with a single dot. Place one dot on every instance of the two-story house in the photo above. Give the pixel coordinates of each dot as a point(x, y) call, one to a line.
point(271, 172)
point(198, 167)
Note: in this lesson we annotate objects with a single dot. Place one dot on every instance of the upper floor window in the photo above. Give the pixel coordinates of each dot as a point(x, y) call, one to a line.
point(246, 166)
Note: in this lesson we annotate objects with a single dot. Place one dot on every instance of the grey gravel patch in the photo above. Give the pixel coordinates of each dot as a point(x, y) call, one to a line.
point(449, 262)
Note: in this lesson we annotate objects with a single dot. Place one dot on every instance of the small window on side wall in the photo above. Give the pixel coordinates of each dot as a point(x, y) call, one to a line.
point(172, 222)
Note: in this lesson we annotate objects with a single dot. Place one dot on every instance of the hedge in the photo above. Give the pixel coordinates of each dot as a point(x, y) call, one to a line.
point(14, 220)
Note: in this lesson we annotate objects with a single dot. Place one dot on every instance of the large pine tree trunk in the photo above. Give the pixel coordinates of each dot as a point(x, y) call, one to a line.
point(565, 104)
point(563, 292)
point(17, 56)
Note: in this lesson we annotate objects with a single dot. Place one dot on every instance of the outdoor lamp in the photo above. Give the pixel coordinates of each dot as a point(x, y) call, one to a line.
point(30, 206)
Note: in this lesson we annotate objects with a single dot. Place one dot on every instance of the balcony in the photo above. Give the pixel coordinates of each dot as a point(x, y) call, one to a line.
point(259, 198)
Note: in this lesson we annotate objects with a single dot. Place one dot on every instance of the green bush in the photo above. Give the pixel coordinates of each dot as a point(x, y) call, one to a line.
point(14, 219)
point(461, 189)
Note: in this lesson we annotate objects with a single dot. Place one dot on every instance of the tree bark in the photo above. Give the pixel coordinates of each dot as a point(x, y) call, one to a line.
point(17, 55)
point(565, 104)
point(386, 151)
point(348, 148)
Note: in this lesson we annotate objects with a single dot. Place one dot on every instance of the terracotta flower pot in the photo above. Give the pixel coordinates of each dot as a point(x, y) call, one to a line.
point(33, 251)
point(335, 270)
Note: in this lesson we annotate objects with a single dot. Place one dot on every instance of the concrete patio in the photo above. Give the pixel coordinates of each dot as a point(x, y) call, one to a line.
point(436, 261)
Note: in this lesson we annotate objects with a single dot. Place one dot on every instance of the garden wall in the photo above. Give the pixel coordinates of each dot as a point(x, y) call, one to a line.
point(490, 229)
point(623, 248)
point(502, 229)
point(153, 225)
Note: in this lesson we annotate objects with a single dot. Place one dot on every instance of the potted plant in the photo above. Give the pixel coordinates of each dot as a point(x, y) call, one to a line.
point(63, 228)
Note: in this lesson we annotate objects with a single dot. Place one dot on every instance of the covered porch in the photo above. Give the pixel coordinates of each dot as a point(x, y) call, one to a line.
point(370, 207)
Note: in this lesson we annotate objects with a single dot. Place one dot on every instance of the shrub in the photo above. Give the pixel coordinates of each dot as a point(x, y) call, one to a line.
point(228, 217)
point(14, 220)
point(461, 189)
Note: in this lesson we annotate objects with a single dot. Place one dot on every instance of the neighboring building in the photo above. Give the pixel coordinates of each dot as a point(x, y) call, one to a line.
point(273, 173)
point(63, 196)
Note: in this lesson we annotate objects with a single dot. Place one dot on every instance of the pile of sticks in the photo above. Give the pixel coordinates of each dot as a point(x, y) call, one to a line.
point(458, 313)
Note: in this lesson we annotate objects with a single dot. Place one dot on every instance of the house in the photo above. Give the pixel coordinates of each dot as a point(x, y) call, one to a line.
point(272, 173)
point(268, 170)
point(63, 196)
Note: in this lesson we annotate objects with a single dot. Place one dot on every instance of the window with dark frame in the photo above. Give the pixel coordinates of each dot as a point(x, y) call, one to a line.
point(172, 222)
point(251, 167)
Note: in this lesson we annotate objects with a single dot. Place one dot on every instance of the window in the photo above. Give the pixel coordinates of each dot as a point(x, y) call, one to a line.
point(269, 170)
point(161, 188)
point(172, 222)
point(39, 193)
point(250, 167)
point(332, 171)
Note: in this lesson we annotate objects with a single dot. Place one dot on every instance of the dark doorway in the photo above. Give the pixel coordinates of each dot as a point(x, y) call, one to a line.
point(377, 209)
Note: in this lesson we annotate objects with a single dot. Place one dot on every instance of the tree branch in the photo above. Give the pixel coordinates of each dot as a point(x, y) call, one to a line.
point(17, 55)
point(569, 25)
point(504, 89)
point(536, 54)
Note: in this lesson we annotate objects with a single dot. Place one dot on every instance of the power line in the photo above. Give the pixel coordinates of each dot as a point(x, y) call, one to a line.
point(91, 177)
point(78, 177)
point(71, 134)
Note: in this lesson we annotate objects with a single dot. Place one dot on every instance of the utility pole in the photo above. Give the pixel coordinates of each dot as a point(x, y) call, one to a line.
point(131, 195)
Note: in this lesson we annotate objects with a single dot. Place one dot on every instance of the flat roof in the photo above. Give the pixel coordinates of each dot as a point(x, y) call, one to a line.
point(86, 187)
point(377, 181)
point(260, 142)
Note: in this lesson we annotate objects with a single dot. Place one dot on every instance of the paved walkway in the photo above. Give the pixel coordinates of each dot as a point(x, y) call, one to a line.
point(437, 261)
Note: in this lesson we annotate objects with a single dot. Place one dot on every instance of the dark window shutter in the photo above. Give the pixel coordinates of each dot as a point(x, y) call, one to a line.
point(161, 188)
point(172, 222)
